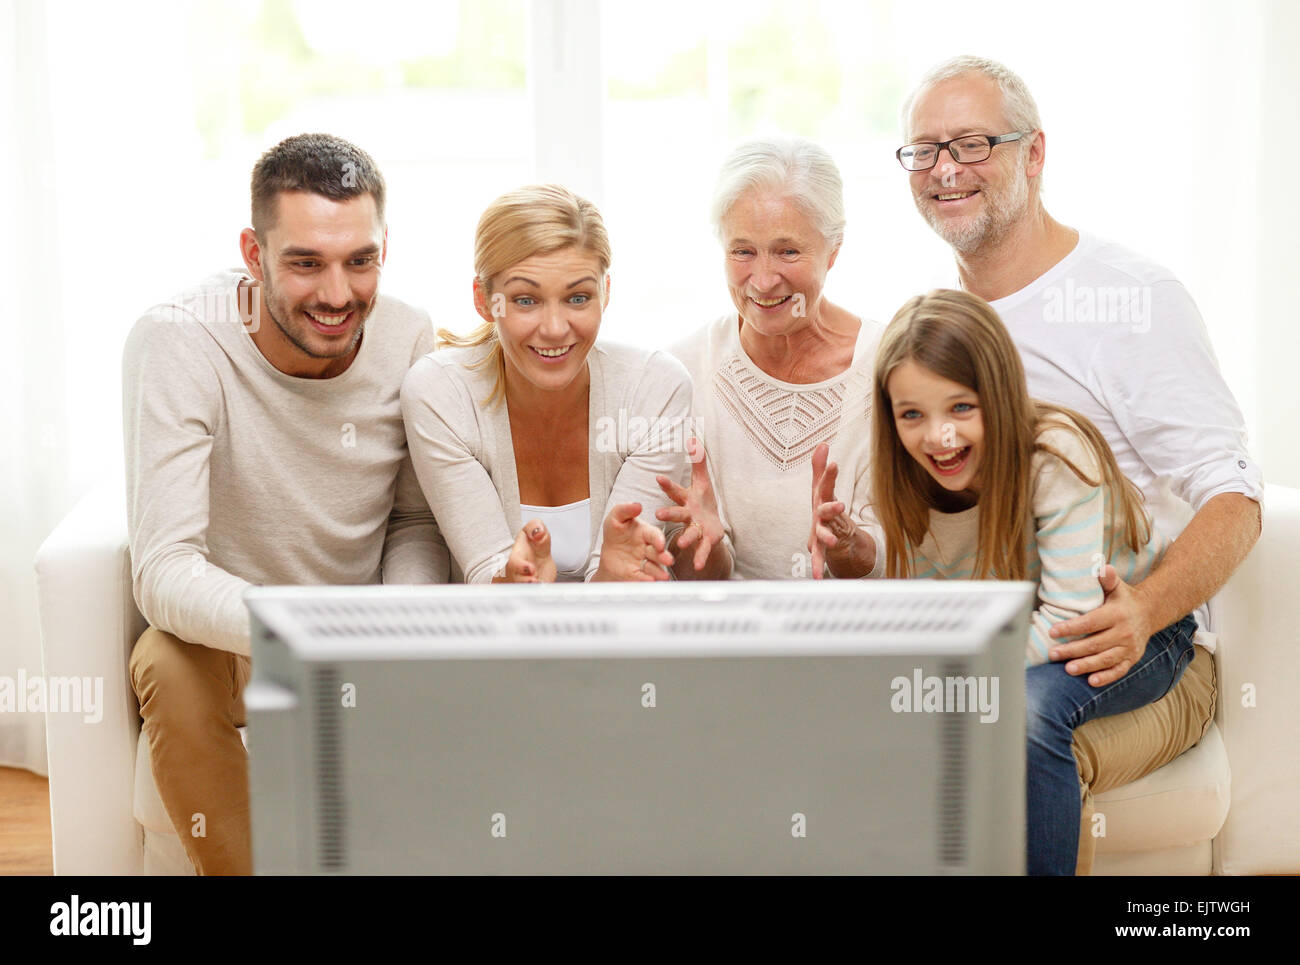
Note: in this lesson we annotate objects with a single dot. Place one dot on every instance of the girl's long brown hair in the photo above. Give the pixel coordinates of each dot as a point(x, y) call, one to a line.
point(959, 337)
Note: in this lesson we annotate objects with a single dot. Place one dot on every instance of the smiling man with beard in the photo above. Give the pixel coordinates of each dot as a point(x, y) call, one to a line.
point(264, 445)
point(1130, 352)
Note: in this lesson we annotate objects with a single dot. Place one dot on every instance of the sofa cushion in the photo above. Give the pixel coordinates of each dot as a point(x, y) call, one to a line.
point(1183, 803)
point(1192, 859)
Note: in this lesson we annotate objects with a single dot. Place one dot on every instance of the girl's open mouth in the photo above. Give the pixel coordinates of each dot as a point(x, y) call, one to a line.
point(950, 463)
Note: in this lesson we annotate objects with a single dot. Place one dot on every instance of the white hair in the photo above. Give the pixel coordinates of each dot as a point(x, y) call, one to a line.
point(1017, 103)
point(793, 166)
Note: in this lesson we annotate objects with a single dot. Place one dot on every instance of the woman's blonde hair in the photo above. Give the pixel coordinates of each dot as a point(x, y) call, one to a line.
point(959, 337)
point(534, 220)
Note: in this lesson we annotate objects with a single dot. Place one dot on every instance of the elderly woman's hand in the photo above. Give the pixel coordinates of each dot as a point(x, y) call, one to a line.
point(830, 523)
point(631, 549)
point(835, 542)
point(696, 509)
point(530, 558)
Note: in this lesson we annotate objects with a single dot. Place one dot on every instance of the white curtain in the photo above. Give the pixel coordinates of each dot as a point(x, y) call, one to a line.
point(34, 484)
point(89, 182)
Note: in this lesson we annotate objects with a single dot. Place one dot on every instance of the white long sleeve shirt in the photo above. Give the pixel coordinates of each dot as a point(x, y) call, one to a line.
point(1117, 338)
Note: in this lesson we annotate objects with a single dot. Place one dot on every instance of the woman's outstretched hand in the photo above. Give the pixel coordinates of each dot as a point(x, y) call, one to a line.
point(831, 526)
point(530, 558)
point(630, 548)
point(696, 509)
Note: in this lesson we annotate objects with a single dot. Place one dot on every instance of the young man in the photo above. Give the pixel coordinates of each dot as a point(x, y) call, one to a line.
point(1116, 337)
point(264, 445)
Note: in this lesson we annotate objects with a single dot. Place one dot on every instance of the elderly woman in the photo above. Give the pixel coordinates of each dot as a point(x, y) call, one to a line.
point(774, 379)
point(504, 427)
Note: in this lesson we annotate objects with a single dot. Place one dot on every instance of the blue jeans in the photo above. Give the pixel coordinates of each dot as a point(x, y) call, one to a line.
point(1055, 704)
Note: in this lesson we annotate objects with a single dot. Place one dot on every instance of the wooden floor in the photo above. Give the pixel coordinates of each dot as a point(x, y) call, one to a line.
point(26, 847)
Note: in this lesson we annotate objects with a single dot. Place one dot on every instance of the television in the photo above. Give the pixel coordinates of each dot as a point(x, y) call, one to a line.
point(855, 727)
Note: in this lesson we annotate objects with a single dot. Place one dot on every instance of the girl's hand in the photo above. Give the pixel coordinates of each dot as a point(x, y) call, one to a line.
point(631, 549)
point(696, 507)
point(831, 525)
point(530, 558)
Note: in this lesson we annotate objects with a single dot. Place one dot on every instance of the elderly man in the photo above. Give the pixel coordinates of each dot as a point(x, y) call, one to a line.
point(1116, 337)
point(264, 444)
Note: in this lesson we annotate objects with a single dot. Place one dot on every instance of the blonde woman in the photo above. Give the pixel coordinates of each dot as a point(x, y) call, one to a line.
point(535, 445)
point(970, 478)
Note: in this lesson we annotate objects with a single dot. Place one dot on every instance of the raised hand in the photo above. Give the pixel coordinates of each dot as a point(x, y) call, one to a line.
point(831, 525)
point(630, 548)
point(697, 508)
point(530, 558)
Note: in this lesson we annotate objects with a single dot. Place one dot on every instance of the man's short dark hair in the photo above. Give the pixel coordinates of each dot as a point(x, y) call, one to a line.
point(320, 163)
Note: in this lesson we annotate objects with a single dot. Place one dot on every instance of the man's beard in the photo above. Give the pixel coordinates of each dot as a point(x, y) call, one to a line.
point(271, 299)
point(997, 215)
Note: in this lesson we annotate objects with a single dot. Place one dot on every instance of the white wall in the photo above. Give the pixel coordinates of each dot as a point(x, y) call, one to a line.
point(1277, 246)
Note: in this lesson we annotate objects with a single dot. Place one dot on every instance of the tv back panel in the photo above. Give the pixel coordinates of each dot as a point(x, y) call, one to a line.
point(739, 728)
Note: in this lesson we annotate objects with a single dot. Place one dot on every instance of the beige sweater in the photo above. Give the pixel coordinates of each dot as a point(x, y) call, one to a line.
point(639, 406)
point(238, 474)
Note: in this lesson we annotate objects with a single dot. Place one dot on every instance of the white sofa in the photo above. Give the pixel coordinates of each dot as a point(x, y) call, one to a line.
point(107, 818)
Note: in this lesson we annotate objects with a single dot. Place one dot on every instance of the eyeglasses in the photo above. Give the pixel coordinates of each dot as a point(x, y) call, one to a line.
point(967, 149)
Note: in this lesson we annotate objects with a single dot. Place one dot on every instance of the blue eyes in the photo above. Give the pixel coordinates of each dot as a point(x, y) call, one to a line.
point(528, 301)
point(961, 408)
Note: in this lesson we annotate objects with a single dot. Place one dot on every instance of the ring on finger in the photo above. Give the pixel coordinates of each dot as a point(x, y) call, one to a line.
point(696, 524)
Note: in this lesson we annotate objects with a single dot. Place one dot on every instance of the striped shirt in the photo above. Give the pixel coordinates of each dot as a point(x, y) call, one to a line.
point(1066, 546)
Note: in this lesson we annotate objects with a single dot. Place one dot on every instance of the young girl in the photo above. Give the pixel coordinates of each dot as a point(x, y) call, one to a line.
point(972, 479)
point(509, 429)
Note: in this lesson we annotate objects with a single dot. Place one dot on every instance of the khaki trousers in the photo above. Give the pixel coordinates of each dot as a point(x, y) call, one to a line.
point(1113, 751)
point(191, 701)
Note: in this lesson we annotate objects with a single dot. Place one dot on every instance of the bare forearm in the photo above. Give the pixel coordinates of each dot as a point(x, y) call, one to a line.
point(852, 557)
point(1202, 559)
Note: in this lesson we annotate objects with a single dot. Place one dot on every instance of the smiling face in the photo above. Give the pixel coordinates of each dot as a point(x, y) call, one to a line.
point(776, 263)
point(318, 271)
point(970, 205)
point(547, 310)
point(939, 424)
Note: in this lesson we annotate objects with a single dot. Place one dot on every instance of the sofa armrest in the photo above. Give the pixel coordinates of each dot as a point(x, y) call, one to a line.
point(89, 623)
point(1258, 613)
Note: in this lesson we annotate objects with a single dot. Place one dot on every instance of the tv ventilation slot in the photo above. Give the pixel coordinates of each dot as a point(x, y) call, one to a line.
point(706, 626)
point(331, 838)
point(951, 839)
